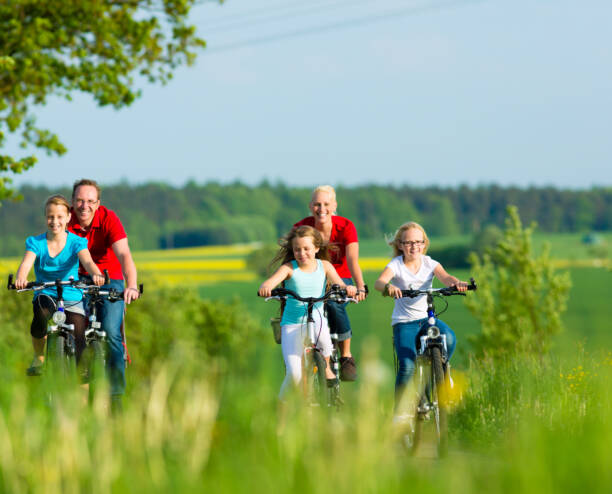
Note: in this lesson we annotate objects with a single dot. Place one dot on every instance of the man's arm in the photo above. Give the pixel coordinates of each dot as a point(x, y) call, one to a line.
point(124, 255)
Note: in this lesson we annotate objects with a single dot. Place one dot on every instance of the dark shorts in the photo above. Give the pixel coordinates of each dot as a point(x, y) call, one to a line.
point(337, 318)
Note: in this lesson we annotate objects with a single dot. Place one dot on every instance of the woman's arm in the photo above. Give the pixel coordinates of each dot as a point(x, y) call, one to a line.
point(449, 280)
point(90, 266)
point(383, 284)
point(333, 276)
point(352, 261)
point(24, 269)
point(281, 274)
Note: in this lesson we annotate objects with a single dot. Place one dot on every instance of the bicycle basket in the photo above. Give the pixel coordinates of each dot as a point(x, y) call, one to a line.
point(276, 328)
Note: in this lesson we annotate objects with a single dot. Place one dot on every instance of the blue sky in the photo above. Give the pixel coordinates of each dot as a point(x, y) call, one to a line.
point(357, 91)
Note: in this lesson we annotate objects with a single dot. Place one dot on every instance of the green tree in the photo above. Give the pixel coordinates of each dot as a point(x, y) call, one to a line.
point(520, 297)
point(57, 47)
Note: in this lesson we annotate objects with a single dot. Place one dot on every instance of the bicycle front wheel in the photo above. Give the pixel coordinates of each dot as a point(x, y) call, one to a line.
point(440, 401)
point(96, 367)
point(317, 380)
point(60, 357)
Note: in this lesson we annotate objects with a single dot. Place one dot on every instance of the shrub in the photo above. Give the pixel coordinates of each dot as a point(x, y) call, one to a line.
point(520, 297)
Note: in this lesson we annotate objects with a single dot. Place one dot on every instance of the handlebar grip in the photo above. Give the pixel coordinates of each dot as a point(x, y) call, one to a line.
point(472, 285)
point(106, 277)
point(10, 285)
point(141, 288)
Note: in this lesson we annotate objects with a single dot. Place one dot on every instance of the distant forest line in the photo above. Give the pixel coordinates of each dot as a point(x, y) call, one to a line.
point(161, 216)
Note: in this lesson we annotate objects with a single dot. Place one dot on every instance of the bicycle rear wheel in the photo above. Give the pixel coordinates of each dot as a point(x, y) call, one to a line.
point(440, 401)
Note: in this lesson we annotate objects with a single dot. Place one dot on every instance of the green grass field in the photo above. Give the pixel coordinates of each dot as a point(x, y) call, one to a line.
point(198, 422)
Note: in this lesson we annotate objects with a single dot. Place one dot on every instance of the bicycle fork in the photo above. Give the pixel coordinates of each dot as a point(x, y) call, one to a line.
point(60, 328)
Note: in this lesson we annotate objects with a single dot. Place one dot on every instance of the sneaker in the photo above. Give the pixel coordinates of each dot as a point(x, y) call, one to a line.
point(348, 369)
point(36, 367)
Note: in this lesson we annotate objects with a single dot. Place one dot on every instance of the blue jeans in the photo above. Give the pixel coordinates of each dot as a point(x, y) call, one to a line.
point(404, 341)
point(337, 318)
point(110, 314)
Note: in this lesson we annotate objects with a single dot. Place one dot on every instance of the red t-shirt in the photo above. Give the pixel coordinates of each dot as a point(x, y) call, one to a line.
point(104, 231)
point(343, 233)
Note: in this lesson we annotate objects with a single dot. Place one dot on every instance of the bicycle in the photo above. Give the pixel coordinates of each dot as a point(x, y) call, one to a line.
point(318, 390)
point(432, 372)
point(60, 355)
point(95, 352)
point(61, 347)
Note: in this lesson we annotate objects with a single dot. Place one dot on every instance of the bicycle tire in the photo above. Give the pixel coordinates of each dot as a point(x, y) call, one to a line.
point(440, 399)
point(59, 361)
point(421, 374)
point(319, 381)
point(334, 398)
point(96, 367)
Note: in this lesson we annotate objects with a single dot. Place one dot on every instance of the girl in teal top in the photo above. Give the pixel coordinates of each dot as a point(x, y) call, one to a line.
point(55, 255)
point(305, 274)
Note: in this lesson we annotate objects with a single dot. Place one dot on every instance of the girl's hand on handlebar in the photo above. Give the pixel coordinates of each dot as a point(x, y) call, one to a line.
point(98, 279)
point(21, 283)
point(394, 291)
point(265, 290)
point(461, 286)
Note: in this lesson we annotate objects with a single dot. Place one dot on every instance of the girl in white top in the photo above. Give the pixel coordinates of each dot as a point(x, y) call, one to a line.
point(411, 268)
point(306, 275)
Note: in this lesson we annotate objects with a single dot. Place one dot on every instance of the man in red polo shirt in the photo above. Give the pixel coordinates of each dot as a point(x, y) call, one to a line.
point(108, 244)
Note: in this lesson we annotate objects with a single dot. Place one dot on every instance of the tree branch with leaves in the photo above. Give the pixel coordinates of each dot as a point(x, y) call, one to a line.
point(103, 48)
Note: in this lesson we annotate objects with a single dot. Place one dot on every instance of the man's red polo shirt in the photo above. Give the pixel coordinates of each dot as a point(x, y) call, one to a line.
point(104, 231)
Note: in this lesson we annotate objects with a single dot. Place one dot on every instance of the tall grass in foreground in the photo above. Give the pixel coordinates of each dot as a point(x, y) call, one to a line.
point(523, 426)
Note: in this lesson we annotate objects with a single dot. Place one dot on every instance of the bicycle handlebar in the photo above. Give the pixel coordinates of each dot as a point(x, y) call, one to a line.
point(111, 293)
point(446, 291)
point(334, 293)
point(39, 285)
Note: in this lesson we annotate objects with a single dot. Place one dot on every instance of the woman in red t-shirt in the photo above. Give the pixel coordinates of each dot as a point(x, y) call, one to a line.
point(343, 248)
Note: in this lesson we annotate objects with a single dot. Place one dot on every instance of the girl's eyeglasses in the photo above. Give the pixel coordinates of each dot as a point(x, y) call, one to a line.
point(413, 243)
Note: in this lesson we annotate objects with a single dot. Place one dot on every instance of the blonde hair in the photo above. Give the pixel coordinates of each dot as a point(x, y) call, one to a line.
point(395, 243)
point(57, 200)
point(285, 253)
point(324, 188)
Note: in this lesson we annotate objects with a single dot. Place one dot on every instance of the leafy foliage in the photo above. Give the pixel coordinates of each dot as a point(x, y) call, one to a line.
point(166, 320)
point(57, 47)
point(520, 297)
point(161, 216)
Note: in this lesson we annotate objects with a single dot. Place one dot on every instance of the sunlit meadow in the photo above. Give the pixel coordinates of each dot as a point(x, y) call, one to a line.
point(199, 418)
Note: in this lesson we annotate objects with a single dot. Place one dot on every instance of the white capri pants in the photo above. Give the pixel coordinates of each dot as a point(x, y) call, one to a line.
point(292, 343)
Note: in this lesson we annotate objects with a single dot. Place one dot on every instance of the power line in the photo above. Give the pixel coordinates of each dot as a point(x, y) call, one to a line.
point(272, 16)
point(259, 12)
point(358, 21)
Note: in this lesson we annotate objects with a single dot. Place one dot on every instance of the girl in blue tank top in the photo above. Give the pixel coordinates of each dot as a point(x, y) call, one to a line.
point(304, 272)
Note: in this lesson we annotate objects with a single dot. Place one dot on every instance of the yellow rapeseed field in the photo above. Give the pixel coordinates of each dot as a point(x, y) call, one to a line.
point(212, 264)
